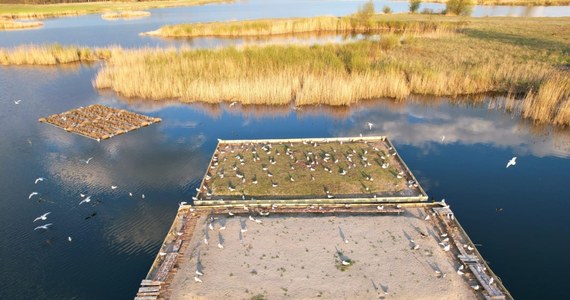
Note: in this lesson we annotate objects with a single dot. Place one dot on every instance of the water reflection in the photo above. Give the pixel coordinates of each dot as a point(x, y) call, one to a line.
point(92, 31)
point(467, 121)
point(120, 234)
point(285, 39)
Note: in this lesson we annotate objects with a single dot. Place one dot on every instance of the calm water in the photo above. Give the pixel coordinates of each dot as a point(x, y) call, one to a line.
point(115, 237)
point(91, 30)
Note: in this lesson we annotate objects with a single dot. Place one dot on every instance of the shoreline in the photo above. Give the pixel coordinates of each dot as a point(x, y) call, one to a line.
point(45, 11)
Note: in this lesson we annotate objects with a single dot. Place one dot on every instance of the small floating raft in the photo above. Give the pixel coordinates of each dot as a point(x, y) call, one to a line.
point(99, 122)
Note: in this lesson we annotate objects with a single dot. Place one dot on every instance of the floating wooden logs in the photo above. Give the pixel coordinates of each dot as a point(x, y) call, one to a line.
point(99, 122)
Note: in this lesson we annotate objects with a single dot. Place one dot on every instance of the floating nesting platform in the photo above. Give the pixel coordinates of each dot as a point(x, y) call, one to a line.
point(99, 122)
point(357, 251)
point(353, 223)
point(330, 170)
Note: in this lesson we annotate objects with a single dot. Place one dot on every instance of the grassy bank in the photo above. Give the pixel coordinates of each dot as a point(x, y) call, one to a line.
point(328, 24)
point(14, 25)
point(129, 14)
point(51, 55)
point(39, 11)
point(514, 2)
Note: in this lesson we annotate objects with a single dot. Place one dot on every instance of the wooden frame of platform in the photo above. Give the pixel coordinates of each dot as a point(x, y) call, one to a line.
point(203, 199)
point(158, 282)
point(99, 122)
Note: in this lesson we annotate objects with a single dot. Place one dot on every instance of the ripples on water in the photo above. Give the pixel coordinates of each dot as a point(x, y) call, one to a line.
point(113, 248)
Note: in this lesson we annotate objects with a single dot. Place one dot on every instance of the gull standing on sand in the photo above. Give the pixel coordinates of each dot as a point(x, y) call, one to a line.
point(33, 194)
point(43, 226)
point(42, 217)
point(512, 162)
point(39, 179)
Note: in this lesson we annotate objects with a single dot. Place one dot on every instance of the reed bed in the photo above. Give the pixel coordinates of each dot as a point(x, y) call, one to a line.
point(128, 14)
point(525, 58)
point(51, 55)
point(326, 24)
point(14, 25)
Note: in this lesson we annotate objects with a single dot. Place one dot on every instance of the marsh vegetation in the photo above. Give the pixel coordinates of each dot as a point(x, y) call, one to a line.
point(15, 25)
point(525, 58)
point(128, 14)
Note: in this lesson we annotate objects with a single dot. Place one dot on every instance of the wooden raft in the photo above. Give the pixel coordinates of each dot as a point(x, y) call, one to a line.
point(99, 122)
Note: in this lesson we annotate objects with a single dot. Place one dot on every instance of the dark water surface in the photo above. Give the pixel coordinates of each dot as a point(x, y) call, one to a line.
point(111, 251)
point(115, 237)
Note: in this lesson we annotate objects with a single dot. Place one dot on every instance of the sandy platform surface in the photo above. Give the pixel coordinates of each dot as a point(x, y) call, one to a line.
point(297, 257)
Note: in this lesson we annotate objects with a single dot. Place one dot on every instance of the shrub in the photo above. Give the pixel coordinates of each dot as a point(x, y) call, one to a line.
point(459, 7)
point(415, 5)
point(388, 42)
point(365, 11)
point(428, 11)
point(386, 9)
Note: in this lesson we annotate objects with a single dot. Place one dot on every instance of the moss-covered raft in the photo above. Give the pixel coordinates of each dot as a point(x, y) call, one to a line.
point(99, 122)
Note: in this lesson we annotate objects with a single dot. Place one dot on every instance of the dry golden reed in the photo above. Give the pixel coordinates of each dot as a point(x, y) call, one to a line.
point(129, 14)
point(50, 55)
point(326, 24)
point(14, 25)
point(329, 74)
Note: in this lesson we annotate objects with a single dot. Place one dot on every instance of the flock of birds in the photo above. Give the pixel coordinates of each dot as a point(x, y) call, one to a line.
point(212, 227)
point(84, 199)
point(445, 244)
point(315, 161)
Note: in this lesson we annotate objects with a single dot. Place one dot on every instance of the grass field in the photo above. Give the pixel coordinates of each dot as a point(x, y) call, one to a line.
point(313, 169)
point(39, 11)
point(514, 2)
